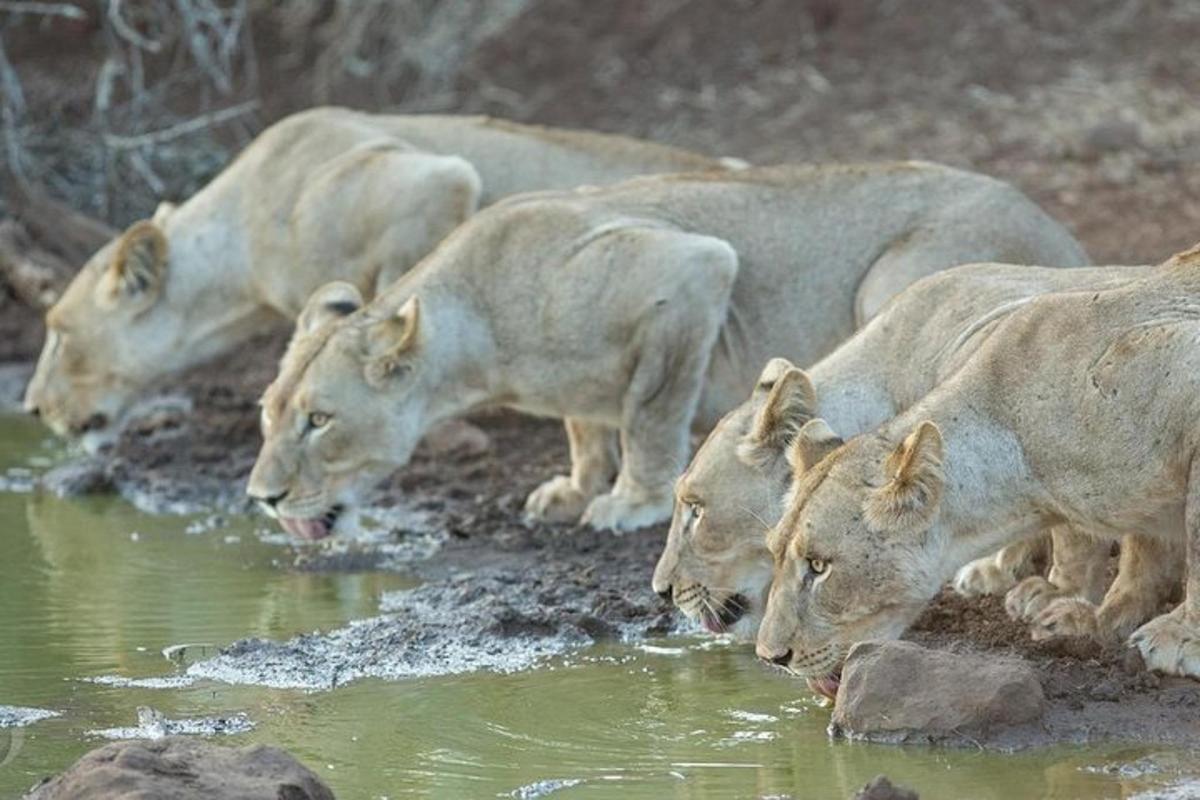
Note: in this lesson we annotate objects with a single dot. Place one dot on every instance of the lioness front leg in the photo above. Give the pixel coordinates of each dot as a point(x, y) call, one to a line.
point(1078, 569)
point(673, 342)
point(1171, 643)
point(1146, 575)
point(998, 573)
point(564, 498)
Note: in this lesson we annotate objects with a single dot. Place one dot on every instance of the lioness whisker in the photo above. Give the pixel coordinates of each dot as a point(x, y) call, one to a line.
point(760, 520)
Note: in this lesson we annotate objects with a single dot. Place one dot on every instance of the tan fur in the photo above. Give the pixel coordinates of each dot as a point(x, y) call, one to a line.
point(918, 340)
point(325, 194)
point(643, 309)
point(1082, 408)
point(813, 442)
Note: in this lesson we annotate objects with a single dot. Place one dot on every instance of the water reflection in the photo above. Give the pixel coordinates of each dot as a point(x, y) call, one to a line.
point(81, 596)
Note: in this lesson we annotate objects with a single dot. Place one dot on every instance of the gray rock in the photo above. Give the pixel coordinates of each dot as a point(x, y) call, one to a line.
point(1111, 136)
point(184, 769)
point(900, 691)
point(84, 476)
point(882, 789)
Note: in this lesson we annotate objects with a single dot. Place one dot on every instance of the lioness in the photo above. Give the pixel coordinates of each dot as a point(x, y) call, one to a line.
point(640, 309)
point(1081, 407)
point(324, 194)
point(715, 564)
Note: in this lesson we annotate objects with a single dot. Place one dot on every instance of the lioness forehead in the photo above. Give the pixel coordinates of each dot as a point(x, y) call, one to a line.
point(302, 351)
point(803, 488)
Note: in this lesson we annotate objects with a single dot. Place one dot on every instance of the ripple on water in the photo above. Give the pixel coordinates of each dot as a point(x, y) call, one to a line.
point(153, 724)
point(19, 716)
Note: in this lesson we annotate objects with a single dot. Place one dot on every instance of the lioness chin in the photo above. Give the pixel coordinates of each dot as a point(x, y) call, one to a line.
point(1081, 407)
point(635, 312)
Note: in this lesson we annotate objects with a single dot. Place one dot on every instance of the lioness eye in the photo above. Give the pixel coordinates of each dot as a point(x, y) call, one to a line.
point(817, 565)
point(318, 419)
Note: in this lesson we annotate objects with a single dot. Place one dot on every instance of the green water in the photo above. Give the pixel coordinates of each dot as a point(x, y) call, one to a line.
point(81, 596)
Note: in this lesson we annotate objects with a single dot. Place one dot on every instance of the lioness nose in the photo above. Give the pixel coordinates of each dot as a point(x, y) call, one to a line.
point(769, 654)
point(93, 423)
point(32, 409)
point(271, 500)
point(667, 593)
point(784, 659)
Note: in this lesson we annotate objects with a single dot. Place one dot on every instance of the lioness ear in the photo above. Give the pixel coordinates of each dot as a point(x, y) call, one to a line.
point(390, 340)
point(164, 210)
point(914, 476)
point(775, 369)
point(790, 402)
point(814, 441)
point(331, 302)
point(139, 263)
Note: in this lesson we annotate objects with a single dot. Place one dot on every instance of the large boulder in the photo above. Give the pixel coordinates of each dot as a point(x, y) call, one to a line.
point(176, 768)
point(900, 691)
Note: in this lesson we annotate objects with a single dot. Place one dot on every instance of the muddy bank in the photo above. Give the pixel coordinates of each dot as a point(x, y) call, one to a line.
point(497, 594)
point(495, 619)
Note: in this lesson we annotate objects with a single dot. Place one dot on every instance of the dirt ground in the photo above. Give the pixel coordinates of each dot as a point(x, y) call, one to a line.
point(1088, 107)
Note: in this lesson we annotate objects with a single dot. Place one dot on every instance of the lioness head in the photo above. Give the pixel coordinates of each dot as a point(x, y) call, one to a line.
point(855, 552)
point(105, 337)
point(347, 408)
point(716, 566)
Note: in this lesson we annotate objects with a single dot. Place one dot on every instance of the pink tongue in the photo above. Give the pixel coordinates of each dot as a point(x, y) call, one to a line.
point(311, 529)
point(826, 686)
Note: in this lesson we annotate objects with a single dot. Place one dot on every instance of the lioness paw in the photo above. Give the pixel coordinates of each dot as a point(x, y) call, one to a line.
point(1170, 644)
point(1029, 597)
point(983, 576)
point(1066, 616)
point(617, 512)
point(556, 500)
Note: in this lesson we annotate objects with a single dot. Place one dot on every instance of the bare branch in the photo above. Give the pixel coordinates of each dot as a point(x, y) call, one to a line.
point(55, 224)
point(11, 111)
point(182, 129)
point(36, 277)
point(128, 33)
point(44, 9)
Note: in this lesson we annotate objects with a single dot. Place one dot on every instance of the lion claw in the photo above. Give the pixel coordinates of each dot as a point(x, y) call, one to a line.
point(1169, 644)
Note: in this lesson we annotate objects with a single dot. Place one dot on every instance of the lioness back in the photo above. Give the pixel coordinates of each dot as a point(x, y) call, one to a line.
point(807, 237)
point(510, 157)
point(321, 195)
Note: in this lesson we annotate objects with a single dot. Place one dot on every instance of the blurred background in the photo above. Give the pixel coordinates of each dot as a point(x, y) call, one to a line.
point(1090, 106)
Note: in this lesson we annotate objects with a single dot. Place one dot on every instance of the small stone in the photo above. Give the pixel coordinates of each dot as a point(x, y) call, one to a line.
point(596, 627)
point(882, 789)
point(1132, 662)
point(894, 690)
point(85, 476)
point(1106, 691)
point(1111, 136)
